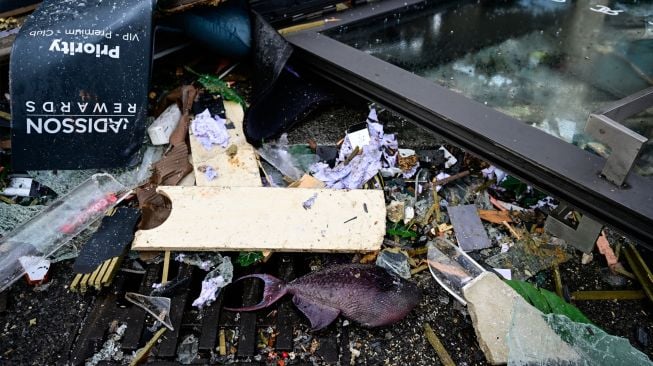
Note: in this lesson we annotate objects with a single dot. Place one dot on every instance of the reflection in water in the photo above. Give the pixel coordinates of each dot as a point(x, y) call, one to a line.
point(548, 63)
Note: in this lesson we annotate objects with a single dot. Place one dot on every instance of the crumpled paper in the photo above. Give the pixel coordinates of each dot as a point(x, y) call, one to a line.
point(210, 131)
point(380, 153)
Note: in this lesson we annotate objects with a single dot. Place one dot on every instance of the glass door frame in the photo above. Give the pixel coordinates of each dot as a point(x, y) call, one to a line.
point(561, 169)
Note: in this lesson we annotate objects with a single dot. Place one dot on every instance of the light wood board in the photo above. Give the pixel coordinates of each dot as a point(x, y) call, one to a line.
point(260, 218)
point(241, 170)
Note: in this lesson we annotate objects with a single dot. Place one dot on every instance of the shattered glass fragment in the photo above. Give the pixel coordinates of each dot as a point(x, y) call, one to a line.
point(451, 267)
point(279, 156)
point(248, 258)
point(61, 181)
point(529, 256)
point(158, 307)
point(530, 341)
point(13, 215)
point(394, 262)
point(590, 344)
point(214, 281)
point(205, 261)
point(111, 350)
point(188, 350)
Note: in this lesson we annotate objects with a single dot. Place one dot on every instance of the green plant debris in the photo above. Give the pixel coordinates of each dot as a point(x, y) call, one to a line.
point(217, 86)
point(547, 301)
point(401, 231)
point(524, 195)
point(246, 259)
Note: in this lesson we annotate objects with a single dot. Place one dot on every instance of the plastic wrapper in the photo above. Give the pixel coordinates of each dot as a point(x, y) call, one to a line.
point(57, 224)
point(451, 267)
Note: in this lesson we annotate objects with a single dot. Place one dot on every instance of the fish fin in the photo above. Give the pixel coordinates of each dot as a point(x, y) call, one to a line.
point(320, 315)
point(274, 289)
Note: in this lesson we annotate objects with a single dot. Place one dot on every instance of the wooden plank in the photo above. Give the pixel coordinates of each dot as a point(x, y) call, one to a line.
point(285, 316)
point(95, 326)
point(209, 336)
point(247, 328)
point(252, 218)
point(495, 216)
point(238, 170)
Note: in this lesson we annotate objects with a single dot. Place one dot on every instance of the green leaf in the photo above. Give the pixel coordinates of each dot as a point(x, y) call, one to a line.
point(559, 306)
point(401, 231)
point(217, 86)
point(547, 301)
point(246, 259)
point(531, 294)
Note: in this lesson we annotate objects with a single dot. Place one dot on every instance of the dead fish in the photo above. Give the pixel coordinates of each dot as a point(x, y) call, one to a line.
point(366, 294)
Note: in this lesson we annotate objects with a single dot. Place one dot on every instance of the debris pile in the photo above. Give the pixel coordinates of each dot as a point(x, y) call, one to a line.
point(176, 234)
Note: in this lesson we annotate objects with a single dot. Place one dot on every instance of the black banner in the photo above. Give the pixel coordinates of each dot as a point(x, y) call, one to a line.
point(79, 76)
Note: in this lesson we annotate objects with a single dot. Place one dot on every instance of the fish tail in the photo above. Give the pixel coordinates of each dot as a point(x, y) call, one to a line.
point(274, 289)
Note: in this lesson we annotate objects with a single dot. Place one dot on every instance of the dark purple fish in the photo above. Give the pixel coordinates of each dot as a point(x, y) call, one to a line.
point(366, 294)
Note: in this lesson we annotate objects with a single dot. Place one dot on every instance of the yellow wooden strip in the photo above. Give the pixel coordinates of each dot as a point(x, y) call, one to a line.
point(83, 282)
point(166, 267)
point(97, 283)
point(111, 270)
point(223, 343)
point(143, 352)
point(91, 279)
point(75, 283)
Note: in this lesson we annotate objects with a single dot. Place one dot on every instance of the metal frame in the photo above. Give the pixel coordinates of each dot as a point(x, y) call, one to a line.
point(554, 166)
point(625, 144)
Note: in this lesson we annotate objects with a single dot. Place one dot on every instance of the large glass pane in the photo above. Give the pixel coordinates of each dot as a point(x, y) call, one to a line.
point(548, 63)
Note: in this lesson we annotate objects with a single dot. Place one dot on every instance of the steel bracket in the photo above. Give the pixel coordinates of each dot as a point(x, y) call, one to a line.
point(582, 237)
point(624, 143)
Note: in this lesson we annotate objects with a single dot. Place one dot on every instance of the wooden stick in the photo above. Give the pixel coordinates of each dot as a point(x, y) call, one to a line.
point(437, 345)
point(450, 179)
point(166, 267)
point(558, 280)
point(419, 269)
point(512, 230)
point(222, 344)
point(608, 295)
point(143, 352)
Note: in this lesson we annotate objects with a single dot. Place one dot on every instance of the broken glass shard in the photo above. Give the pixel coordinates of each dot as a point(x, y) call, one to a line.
point(188, 350)
point(576, 343)
point(158, 307)
point(451, 267)
point(394, 262)
point(529, 256)
point(215, 280)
